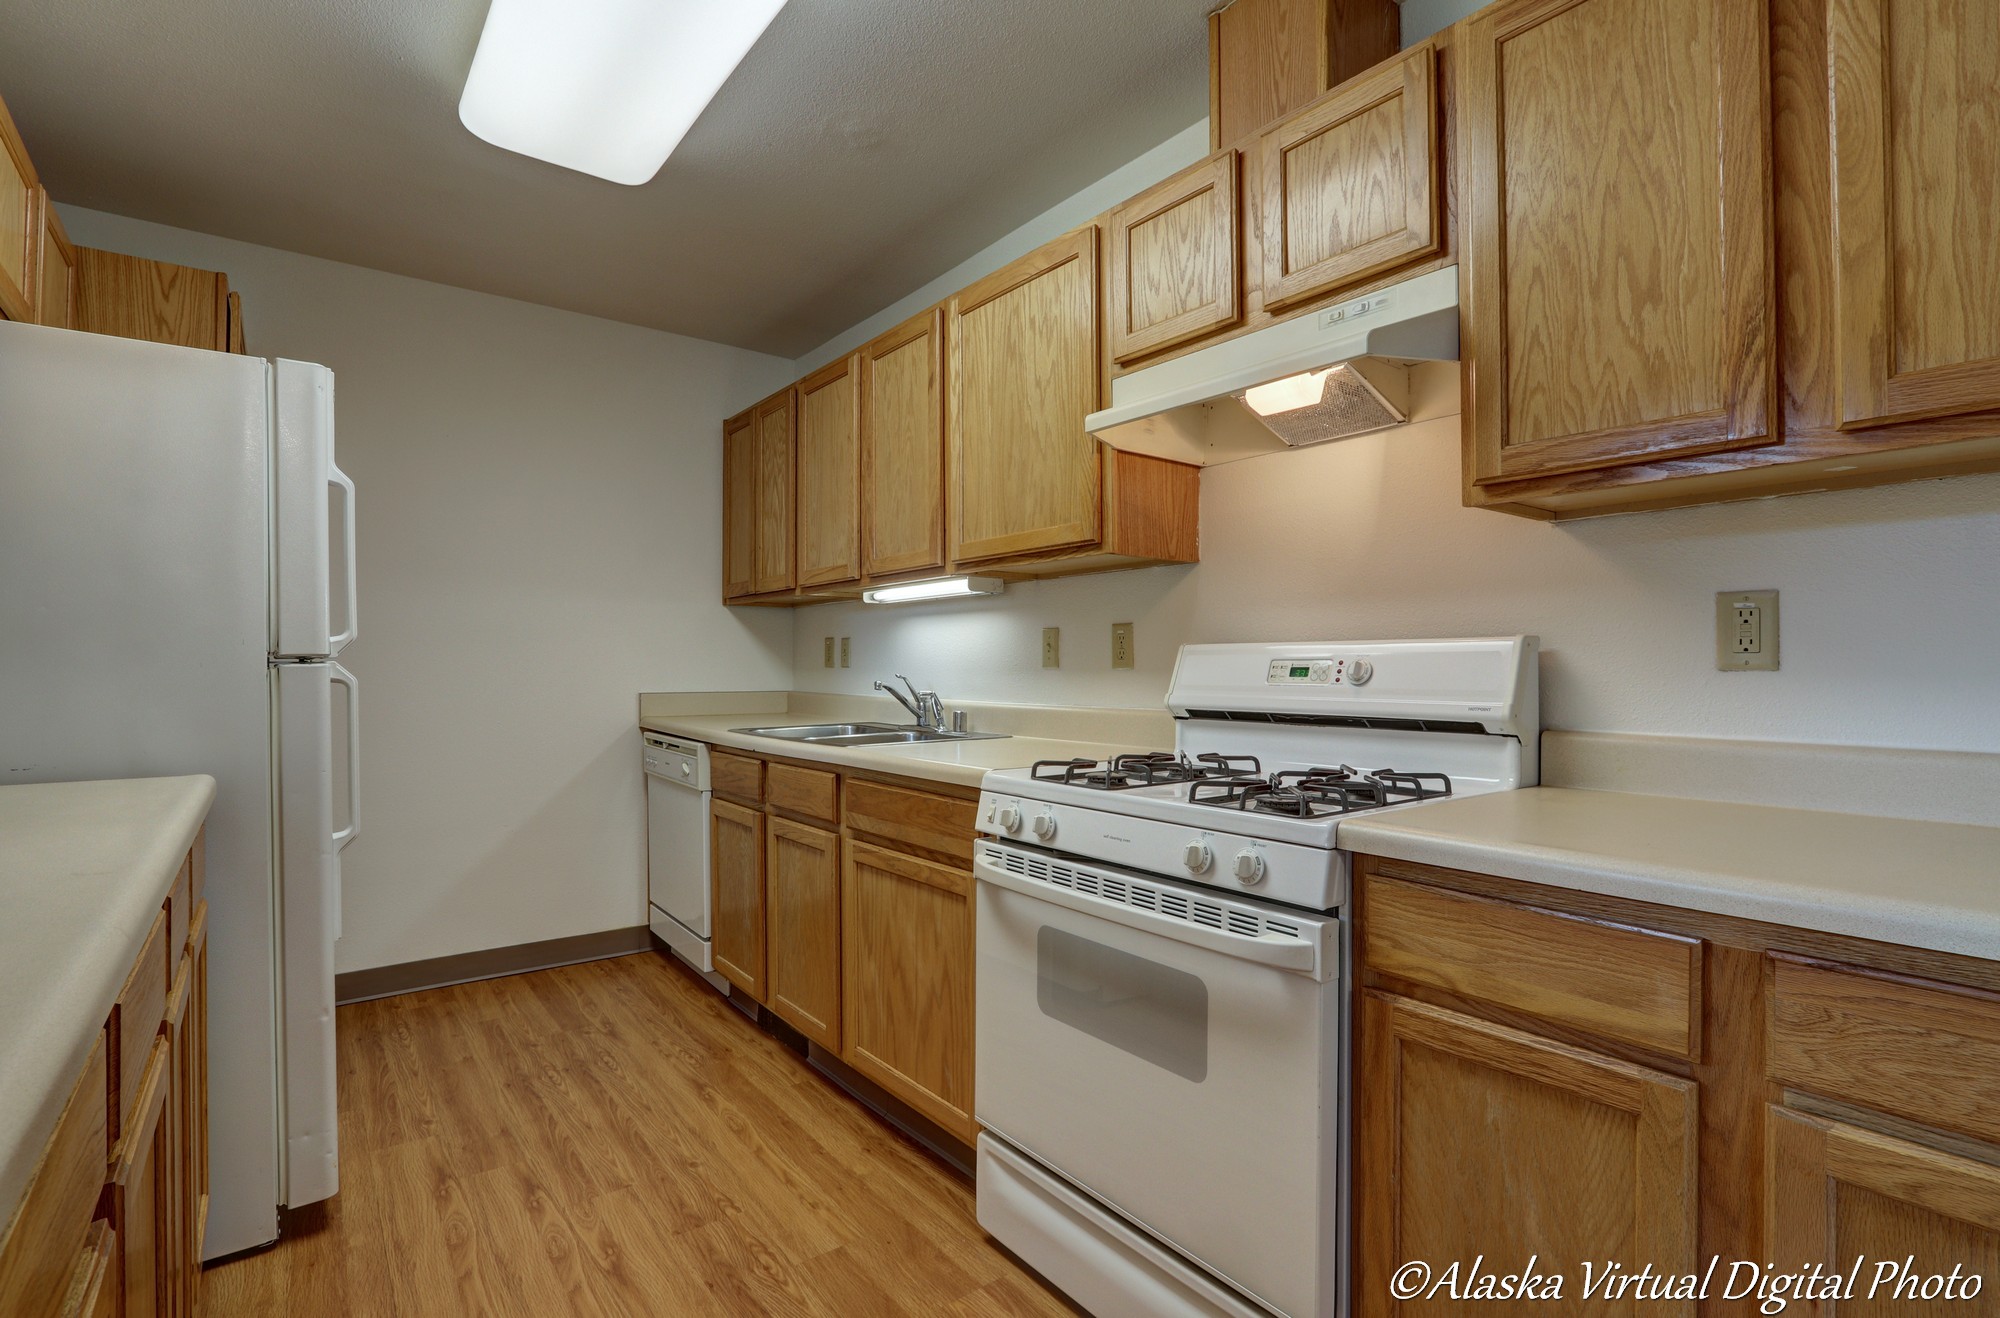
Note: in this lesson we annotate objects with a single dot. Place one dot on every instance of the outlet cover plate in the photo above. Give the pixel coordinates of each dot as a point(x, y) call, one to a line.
point(1746, 631)
point(843, 650)
point(829, 652)
point(1052, 647)
point(1121, 645)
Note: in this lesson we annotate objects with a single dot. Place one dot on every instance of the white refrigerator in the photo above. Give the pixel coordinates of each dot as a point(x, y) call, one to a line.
point(176, 577)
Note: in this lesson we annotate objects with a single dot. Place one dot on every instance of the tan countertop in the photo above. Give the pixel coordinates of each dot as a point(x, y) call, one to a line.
point(1914, 882)
point(962, 763)
point(83, 870)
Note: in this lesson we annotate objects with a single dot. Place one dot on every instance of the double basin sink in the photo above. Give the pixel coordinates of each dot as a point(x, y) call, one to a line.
point(864, 734)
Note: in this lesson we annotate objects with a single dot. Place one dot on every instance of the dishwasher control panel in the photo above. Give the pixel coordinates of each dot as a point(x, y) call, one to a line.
point(675, 760)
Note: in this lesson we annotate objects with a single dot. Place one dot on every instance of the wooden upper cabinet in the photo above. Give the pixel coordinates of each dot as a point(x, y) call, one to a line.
point(1267, 58)
point(153, 300)
point(772, 562)
point(739, 507)
point(1475, 1139)
point(1026, 477)
point(20, 210)
point(902, 448)
point(55, 304)
point(1175, 251)
point(829, 516)
point(1916, 207)
point(1351, 183)
point(1616, 276)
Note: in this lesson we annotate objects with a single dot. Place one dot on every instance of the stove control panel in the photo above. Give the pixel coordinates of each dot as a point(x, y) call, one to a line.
point(1318, 672)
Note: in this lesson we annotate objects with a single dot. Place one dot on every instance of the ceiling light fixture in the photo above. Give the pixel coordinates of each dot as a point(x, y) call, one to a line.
point(937, 589)
point(604, 87)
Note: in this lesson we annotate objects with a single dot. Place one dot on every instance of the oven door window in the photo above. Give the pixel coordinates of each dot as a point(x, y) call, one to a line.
point(1154, 1012)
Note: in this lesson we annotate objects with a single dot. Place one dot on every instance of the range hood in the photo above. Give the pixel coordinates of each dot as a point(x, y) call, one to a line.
point(1331, 374)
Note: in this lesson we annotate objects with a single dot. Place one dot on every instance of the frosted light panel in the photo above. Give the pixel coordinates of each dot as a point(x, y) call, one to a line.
point(604, 87)
point(937, 588)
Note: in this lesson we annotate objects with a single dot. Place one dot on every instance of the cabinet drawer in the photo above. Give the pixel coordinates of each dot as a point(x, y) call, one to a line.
point(918, 821)
point(809, 793)
point(736, 776)
point(39, 1252)
point(142, 1005)
point(1925, 1051)
point(1618, 983)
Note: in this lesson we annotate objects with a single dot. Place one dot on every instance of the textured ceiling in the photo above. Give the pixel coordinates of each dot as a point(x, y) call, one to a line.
point(863, 147)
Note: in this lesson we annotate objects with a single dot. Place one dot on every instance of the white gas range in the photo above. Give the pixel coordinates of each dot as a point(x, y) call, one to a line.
point(1162, 997)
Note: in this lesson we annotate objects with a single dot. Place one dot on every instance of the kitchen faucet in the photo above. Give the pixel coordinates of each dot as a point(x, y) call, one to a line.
point(924, 706)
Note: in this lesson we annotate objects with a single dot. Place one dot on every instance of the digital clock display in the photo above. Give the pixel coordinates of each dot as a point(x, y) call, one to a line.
point(1300, 670)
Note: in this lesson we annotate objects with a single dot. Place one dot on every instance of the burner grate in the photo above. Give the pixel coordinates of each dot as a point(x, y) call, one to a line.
point(1142, 769)
point(1312, 793)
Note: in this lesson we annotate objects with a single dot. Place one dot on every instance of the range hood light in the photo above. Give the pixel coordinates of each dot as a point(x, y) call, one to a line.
point(938, 588)
point(604, 87)
point(1287, 395)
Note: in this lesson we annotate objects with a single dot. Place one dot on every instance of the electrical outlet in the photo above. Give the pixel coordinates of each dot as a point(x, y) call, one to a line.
point(1121, 645)
point(1052, 647)
point(829, 652)
point(843, 650)
point(1746, 630)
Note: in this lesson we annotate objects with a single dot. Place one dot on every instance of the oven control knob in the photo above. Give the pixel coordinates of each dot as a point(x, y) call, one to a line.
point(1010, 819)
point(1359, 671)
point(1196, 857)
point(1249, 867)
point(1044, 825)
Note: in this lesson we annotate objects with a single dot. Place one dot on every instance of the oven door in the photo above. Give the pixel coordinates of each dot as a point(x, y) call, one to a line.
point(1175, 1054)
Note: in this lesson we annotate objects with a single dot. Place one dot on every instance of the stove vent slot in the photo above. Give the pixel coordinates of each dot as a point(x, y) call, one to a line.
point(1141, 894)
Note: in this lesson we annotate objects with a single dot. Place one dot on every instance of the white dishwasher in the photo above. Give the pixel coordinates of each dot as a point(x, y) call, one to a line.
point(677, 849)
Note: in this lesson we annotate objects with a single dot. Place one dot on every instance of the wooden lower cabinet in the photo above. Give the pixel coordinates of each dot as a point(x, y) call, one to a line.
point(143, 1209)
point(1921, 1219)
point(736, 857)
point(802, 883)
point(1478, 1139)
point(907, 1000)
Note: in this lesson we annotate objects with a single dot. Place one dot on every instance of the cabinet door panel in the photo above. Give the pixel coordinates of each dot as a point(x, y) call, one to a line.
point(772, 565)
point(56, 304)
point(20, 204)
point(739, 507)
point(829, 522)
point(1477, 1139)
point(804, 886)
point(1916, 207)
point(1350, 183)
point(1026, 476)
point(152, 300)
point(1175, 249)
point(902, 448)
point(1616, 271)
point(1835, 1192)
point(736, 859)
point(143, 1212)
point(907, 981)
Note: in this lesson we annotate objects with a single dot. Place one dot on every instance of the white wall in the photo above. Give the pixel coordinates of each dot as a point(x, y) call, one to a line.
point(539, 540)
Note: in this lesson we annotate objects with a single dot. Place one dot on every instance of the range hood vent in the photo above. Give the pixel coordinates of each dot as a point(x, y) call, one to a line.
point(1332, 374)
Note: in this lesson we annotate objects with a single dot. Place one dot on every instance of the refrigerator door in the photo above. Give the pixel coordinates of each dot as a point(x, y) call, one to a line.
point(134, 621)
point(312, 551)
point(309, 843)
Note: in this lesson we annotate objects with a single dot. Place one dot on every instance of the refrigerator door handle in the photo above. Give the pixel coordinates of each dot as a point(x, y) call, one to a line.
point(340, 676)
point(336, 477)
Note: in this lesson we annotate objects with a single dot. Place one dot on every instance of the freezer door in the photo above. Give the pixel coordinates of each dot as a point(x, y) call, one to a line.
point(312, 548)
point(310, 837)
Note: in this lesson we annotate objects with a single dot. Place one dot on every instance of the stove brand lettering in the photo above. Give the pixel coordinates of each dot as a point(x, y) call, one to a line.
point(1773, 1290)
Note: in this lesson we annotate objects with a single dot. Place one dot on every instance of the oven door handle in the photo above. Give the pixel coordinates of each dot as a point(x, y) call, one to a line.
point(1291, 954)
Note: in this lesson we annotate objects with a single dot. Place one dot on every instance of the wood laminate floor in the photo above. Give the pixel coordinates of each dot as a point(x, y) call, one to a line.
point(613, 1139)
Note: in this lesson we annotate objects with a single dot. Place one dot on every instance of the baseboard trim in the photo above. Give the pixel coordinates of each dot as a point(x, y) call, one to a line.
point(488, 963)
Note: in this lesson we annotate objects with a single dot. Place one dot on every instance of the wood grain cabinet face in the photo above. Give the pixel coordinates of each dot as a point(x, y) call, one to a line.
point(1916, 207)
point(772, 562)
point(1476, 1139)
point(20, 209)
point(907, 981)
point(56, 304)
point(902, 449)
point(1175, 250)
point(151, 300)
point(739, 507)
point(1351, 183)
point(1835, 1192)
point(144, 1213)
point(1026, 477)
point(1616, 270)
point(736, 859)
point(803, 881)
point(829, 522)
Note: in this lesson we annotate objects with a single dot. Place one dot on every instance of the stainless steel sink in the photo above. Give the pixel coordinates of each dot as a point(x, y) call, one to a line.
point(864, 734)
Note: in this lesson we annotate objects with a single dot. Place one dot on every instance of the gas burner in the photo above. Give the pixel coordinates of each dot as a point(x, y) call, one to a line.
point(1310, 793)
point(1144, 769)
